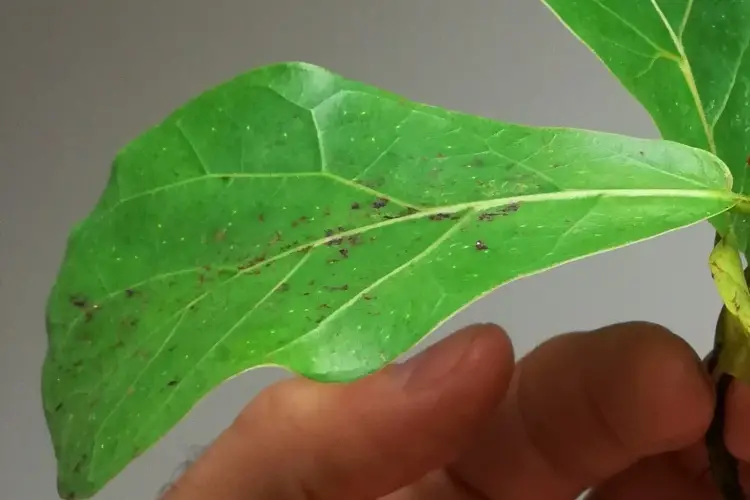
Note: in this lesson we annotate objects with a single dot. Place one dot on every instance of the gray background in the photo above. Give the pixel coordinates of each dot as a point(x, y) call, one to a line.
point(79, 78)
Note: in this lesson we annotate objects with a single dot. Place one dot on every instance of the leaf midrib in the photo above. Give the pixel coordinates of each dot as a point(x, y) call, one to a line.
point(446, 209)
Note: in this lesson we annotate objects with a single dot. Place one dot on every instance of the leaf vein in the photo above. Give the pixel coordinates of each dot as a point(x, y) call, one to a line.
point(732, 84)
point(421, 255)
point(379, 157)
point(321, 147)
point(178, 126)
point(574, 226)
point(633, 28)
point(685, 18)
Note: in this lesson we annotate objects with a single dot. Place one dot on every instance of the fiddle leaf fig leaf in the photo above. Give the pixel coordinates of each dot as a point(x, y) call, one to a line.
point(295, 218)
point(687, 63)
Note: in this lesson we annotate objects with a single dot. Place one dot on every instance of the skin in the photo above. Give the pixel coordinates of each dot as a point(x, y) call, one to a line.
point(621, 410)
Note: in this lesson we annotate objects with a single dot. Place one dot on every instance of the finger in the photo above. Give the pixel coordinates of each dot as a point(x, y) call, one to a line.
point(305, 440)
point(585, 406)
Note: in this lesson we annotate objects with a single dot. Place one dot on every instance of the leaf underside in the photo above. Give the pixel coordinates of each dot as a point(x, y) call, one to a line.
point(292, 217)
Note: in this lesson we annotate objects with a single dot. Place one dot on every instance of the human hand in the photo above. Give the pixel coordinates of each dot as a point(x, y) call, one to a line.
point(622, 410)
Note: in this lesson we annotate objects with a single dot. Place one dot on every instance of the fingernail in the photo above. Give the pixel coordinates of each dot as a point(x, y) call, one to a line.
point(433, 365)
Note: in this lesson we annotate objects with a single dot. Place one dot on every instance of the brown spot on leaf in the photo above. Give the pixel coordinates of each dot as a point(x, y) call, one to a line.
point(251, 263)
point(129, 322)
point(261, 218)
point(367, 297)
point(506, 210)
point(284, 287)
point(79, 301)
point(344, 252)
point(380, 203)
point(511, 207)
point(439, 216)
point(341, 288)
point(276, 238)
point(58, 407)
point(172, 383)
point(480, 245)
point(355, 206)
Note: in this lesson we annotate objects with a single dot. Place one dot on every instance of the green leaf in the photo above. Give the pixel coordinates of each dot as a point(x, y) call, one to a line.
point(687, 62)
point(292, 217)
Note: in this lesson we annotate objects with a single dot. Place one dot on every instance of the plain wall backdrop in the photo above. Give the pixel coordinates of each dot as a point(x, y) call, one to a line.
point(80, 78)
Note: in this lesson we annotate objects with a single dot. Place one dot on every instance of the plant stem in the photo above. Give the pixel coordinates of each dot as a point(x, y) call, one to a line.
point(724, 466)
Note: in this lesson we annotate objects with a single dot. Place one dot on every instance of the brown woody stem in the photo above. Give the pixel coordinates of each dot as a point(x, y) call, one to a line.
point(724, 466)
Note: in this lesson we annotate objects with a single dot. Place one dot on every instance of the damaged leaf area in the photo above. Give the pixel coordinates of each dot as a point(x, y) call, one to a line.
point(292, 217)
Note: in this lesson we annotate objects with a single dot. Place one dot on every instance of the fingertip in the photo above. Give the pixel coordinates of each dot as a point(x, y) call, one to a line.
point(491, 347)
point(663, 399)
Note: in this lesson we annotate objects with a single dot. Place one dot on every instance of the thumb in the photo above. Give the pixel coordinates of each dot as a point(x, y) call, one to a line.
point(301, 439)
